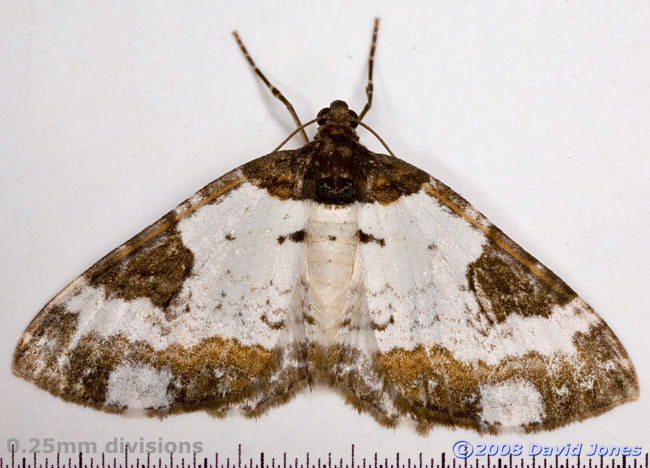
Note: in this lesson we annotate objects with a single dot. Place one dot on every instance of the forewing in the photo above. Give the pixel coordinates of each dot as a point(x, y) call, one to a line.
point(471, 330)
point(195, 312)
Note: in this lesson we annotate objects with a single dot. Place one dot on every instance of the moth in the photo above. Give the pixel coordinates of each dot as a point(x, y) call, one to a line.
point(329, 264)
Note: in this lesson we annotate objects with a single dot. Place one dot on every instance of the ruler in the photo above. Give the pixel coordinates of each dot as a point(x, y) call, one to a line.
point(217, 460)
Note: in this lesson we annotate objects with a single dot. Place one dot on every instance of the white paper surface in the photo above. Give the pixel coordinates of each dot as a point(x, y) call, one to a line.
point(113, 112)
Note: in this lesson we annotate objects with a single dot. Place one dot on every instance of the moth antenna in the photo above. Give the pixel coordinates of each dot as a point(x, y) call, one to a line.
point(299, 129)
point(377, 137)
point(371, 61)
point(275, 91)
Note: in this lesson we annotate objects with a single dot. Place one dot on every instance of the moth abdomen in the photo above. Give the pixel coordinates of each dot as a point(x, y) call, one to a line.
point(332, 242)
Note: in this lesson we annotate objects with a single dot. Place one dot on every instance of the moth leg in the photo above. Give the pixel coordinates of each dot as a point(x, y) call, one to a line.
point(371, 61)
point(275, 91)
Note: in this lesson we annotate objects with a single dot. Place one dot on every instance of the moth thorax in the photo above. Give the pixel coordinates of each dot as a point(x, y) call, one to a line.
point(336, 189)
point(332, 238)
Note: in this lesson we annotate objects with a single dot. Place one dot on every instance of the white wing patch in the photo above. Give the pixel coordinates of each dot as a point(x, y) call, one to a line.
point(238, 280)
point(420, 278)
point(229, 289)
point(138, 386)
point(513, 403)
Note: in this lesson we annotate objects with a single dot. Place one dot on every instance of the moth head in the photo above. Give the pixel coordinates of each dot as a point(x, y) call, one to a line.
point(337, 115)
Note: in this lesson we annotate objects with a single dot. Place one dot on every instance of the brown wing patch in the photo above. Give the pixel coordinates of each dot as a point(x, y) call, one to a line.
point(214, 372)
point(504, 286)
point(157, 270)
point(390, 178)
point(376, 177)
point(39, 348)
point(211, 375)
point(434, 387)
point(279, 173)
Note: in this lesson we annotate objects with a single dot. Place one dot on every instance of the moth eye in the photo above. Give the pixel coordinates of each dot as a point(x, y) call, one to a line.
point(322, 116)
point(354, 119)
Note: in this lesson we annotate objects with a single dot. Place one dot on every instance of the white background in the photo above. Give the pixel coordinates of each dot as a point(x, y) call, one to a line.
point(113, 112)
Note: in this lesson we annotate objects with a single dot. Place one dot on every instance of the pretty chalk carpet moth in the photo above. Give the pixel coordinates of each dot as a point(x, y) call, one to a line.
point(329, 263)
